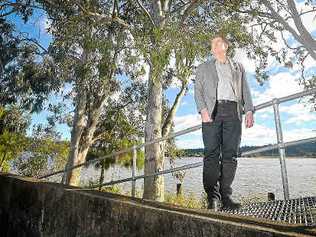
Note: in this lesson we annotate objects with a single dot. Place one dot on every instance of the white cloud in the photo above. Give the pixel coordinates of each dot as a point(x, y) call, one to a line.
point(298, 113)
point(241, 56)
point(190, 140)
point(258, 135)
point(308, 63)
point(187, 121)
point(263, 115)
point(279, 85)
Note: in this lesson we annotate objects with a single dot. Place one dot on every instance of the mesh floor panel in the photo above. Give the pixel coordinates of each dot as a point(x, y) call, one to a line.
point(293, 211)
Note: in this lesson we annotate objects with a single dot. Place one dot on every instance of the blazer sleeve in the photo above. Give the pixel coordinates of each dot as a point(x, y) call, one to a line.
point(246, 94)
point(198, 93)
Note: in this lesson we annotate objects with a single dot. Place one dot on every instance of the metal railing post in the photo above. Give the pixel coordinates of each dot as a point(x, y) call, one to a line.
point(134, 154)
point(281, 147)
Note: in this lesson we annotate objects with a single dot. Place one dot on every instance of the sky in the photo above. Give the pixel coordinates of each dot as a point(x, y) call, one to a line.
point(297, 117)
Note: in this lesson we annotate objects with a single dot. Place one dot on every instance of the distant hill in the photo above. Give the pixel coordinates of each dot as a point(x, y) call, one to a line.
point(301, 150)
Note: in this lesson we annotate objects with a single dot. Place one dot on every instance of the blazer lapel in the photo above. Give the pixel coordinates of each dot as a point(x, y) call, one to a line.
point(212, 70)
point(236, 77)
point(234, 69)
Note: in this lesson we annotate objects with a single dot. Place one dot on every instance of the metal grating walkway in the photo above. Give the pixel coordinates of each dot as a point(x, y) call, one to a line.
point(293, 211)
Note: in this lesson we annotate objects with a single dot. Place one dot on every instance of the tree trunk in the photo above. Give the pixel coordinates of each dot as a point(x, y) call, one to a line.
point(74, 179)
point(77, 129)
point(81, 139)
point(153, 186)
point(2, 160)
point(154, 157)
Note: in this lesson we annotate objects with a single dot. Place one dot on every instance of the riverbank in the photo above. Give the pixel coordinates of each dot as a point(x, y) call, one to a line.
point(189, 200)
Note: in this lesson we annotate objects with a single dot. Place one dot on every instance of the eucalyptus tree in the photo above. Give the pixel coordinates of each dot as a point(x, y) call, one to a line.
point(170, 36)
point(13, 141)
point(87, 52)
point(45, 151)
point(121, 126)
point(174, 34)
point(24, 75)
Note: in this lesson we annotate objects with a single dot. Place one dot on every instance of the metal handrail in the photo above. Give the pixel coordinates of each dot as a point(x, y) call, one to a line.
point(198, 164)
point(185, 131)
point(280, 145)
point(175, 134)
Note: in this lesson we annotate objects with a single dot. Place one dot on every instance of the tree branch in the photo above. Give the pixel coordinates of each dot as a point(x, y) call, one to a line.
point(289, 28)
point(36, 43)
point(189, 9)
point(287, 45)
point(167, 123)
point(299, 25)
point(180, 7)
point(146, 12)
point(303, 66)
point(107, 19)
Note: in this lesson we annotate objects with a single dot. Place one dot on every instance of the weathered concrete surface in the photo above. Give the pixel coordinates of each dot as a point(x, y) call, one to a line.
point(29, 207)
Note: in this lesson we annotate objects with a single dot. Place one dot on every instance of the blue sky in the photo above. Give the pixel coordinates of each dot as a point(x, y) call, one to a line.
point(298, 121)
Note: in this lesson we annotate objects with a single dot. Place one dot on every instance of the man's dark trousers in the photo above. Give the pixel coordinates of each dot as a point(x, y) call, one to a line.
point(221, 139)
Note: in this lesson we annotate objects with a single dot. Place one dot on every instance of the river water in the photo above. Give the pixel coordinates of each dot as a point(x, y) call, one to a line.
point(255, 177)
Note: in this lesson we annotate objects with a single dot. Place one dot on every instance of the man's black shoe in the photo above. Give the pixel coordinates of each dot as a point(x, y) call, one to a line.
point(214, 204)
point(228, 203)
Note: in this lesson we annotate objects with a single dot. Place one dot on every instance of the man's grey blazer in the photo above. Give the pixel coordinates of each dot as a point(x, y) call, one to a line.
point(205, 87)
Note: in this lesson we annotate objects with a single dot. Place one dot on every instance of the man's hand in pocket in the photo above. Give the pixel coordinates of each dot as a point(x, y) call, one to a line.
point(205, 116)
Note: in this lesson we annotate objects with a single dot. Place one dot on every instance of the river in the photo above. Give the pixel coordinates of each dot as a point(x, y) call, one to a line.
point(255, 177)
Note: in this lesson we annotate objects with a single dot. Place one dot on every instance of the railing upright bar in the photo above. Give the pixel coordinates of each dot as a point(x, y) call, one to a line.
point(167, 171)
point(182, 132)
point(198, 164)
point(281, 147)
point(134, 171)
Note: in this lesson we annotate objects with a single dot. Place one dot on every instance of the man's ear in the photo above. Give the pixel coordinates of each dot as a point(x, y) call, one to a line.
point(225, 45)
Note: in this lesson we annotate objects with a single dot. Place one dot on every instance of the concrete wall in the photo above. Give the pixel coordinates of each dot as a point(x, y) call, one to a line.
point(29, 207)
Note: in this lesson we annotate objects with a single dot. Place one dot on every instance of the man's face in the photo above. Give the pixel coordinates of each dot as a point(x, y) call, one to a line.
point(218, 46)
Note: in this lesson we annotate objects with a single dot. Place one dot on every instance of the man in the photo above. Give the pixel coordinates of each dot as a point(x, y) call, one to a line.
point(222, 95)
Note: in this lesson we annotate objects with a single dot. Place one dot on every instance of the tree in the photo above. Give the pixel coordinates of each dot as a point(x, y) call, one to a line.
point(161, 31)
point(45, 151)
point(13, 139)
point(120, 127)
point(171, 30)
point(25, 71)
point(87, 52)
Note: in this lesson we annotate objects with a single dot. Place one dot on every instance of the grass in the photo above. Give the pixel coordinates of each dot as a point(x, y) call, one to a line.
point(187, 201)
